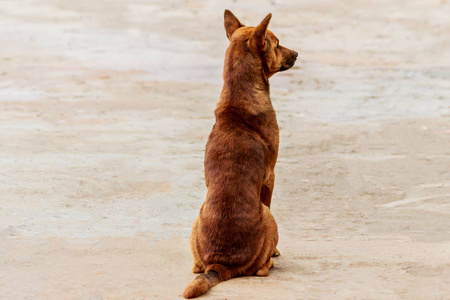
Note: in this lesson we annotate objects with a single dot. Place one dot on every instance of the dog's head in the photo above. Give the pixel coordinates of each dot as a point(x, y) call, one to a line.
point(261, 43)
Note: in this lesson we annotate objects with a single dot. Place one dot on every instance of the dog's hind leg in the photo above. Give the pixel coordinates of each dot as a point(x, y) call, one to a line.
point(197, 268)
point(275, 251)
point(266, 198)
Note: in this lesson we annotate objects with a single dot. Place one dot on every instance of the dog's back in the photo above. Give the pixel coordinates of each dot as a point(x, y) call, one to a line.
point(235, 162)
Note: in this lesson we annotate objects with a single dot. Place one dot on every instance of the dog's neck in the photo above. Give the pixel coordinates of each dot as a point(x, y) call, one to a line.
point(245, 83)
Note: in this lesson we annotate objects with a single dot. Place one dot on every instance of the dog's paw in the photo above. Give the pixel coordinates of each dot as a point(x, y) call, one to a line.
point(197, 269)
point(276, 253)
point(262, 272)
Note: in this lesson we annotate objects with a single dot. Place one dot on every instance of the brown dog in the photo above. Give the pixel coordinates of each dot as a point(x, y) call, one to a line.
point(235, 233)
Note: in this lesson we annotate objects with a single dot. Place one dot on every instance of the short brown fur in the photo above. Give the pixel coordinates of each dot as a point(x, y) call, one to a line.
point(235, 233)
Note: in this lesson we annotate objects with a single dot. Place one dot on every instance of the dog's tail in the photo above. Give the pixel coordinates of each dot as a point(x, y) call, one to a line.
point(204, 282)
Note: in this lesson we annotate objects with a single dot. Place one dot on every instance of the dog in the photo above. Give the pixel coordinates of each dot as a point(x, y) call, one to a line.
point(235, 233)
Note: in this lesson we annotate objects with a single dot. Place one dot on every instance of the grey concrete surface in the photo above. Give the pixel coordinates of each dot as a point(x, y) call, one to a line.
point(105, 108)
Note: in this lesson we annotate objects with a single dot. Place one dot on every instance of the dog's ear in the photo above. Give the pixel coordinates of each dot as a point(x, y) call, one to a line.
point(259, 36)
point(231, 23)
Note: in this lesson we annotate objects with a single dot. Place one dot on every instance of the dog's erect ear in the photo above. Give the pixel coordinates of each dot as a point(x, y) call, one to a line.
point(259, 36)
point(231, 23)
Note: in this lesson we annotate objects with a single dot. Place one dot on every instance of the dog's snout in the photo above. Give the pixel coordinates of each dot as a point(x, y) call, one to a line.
point(295, 54)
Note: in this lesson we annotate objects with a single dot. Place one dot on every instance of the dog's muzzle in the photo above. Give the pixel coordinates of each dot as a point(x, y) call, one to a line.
point(289, 62)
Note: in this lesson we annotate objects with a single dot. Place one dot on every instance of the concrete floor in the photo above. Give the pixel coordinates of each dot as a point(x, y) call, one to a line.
point(105, 111)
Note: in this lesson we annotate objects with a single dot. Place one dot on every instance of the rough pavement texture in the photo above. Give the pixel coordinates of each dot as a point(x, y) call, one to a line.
point(105, 108)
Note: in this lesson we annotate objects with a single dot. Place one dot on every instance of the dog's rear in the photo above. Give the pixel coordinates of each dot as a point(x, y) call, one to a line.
point(235, 233)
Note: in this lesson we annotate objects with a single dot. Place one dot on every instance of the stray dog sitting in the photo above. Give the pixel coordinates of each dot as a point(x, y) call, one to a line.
point(235, 233)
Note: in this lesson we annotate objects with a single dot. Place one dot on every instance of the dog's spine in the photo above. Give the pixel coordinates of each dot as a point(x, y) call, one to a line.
point(204, 282)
